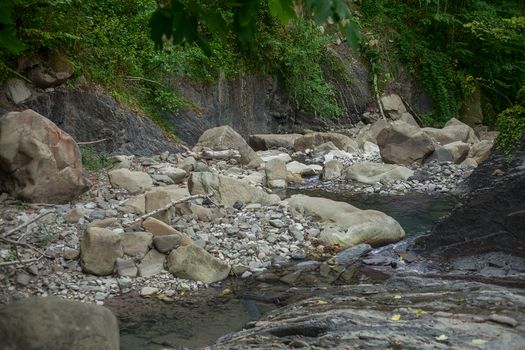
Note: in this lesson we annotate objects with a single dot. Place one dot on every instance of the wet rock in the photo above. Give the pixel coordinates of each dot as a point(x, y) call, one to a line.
point(228, 190)
point(372, 173)
point(131, 181)
point(52, 323)
point(99, 249)
point(39, 161)
point(224, 138)
point(351, 255)
point(195, 263)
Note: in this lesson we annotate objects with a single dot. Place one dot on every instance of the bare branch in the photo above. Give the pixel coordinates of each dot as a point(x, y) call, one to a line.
point(9, 233)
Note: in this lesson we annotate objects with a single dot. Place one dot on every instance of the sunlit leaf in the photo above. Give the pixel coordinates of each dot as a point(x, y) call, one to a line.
point(9, 41)
point(282, 9)
point(395, 317)
point(441, 337)
point(479, 341)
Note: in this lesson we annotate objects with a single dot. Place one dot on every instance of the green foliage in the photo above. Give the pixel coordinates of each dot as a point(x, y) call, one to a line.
point(450, 45)
point(92, 160)
point(298, 55)
point(511, 124)
point(185, 21)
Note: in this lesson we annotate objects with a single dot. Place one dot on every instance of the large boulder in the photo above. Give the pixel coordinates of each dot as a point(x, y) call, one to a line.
point(393, 106)
point(369, 132)
point(372, 173)
point(262, 142)
point(480, 151)
point(347, 225)
point(310, 141)
point(402, 143)
point(131, 181)
point(99, 250)
point(454, 130)
point(224, 138)
point(459, 151)
point(58, 324)
point(228, 190)
point(195, 263)
point(38, 161)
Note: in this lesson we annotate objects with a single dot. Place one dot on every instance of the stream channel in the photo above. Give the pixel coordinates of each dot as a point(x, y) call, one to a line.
point(199, 318)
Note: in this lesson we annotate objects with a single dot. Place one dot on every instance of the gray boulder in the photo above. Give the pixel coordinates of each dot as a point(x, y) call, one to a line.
point(453, 131)
point(372, 173)
point(99, 249)
point(131, 181)
point(224, 138)
point(262, 142)
point(310, 141)
point(195, 263)
point(347, 225)
point(17, 91)
point(53, 323)
point(38, 161)
point(332, 169)
point(401, 143)
point(228, 190)
point(275, 170)
point(152, 264)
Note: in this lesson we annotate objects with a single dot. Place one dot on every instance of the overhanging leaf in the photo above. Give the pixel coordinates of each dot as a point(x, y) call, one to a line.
point(282, 9)
point(352, 34)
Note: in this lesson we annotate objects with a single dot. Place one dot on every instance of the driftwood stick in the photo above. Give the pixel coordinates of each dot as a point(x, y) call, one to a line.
point(23, 244)
point(16, 262)
point(412, 111)
point(167, 206)
point(9, 233)
point(379, 103)
point(91, 142)
point(227, 154)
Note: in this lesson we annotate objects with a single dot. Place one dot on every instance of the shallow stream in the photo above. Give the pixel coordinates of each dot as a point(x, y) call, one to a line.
point(199, 319)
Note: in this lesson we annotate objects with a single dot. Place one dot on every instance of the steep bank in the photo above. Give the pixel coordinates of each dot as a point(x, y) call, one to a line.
point(492, 214)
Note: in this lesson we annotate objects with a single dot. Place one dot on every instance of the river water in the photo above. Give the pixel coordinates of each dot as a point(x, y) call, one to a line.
point(199, 319)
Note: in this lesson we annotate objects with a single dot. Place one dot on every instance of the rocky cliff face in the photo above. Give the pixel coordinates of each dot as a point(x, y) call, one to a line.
point(88, 114)
point(492, 214)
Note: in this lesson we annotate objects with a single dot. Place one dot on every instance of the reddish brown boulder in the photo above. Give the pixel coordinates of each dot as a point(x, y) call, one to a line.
point(38, 161)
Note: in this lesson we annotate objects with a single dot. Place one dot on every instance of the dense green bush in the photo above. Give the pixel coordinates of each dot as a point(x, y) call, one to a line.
point(452, 46)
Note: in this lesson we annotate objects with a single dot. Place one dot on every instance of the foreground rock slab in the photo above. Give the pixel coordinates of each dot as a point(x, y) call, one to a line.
point(52, 323)
point(38, 161)
point(377, 317)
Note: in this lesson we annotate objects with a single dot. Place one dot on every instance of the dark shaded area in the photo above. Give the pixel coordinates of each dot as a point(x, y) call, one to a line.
point(491, 217)
point(88, 115)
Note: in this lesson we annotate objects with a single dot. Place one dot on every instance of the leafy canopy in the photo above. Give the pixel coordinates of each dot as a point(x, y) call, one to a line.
point(184, 21)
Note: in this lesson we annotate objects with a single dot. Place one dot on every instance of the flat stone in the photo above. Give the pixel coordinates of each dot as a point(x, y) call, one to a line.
point(126, 268)
point(136, 243)
point(147, 291)
point(152, 264)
